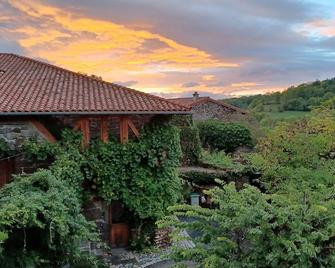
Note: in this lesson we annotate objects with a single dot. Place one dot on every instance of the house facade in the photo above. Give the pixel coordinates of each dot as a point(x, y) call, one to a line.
point(204, 108)
point(38, 100)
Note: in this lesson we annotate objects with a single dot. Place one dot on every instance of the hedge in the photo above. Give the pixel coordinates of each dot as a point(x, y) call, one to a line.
point(218, 135)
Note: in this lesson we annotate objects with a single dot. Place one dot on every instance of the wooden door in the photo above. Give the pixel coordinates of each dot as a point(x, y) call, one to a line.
point(6, 170)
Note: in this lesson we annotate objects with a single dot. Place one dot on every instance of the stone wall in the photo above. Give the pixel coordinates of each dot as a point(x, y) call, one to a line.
point(97, 210)
point(211, 110)
point(15, 132)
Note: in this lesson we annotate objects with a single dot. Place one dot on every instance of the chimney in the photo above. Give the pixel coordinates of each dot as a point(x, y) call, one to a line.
point(195, 95)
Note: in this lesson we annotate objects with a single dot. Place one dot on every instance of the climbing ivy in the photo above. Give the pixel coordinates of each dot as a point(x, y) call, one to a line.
point(142, 173)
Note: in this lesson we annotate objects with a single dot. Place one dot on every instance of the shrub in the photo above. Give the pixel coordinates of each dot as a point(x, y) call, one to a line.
point(41, 218)
point(251, 229)
point(217, 135)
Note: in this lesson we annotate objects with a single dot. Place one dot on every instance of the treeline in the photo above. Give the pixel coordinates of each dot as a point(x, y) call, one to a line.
point(296, 98)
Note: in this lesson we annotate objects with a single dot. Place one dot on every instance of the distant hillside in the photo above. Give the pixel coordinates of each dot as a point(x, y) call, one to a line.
point(298, 98)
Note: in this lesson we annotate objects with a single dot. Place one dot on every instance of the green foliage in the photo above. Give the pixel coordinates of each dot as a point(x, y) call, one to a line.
point(189, 139)
point(251, 229)
point(303, 97)
point(217, 135)
point(220, 160)
point(5, 150)
point(291, 224)
point(190, 145)
point(299, 150)
point(201, 177)
point(41, 217)
point(141, 174)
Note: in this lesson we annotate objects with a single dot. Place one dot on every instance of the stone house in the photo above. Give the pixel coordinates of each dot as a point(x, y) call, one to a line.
point(204, 108)
point(38, 100)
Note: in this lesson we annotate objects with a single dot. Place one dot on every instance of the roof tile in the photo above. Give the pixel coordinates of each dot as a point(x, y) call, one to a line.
point(30, 86)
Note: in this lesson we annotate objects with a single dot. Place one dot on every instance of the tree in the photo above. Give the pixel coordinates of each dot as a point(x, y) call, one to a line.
point(252, 229)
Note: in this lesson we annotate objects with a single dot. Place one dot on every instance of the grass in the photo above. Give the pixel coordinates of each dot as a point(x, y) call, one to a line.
point(287, 115)
point(220, 160)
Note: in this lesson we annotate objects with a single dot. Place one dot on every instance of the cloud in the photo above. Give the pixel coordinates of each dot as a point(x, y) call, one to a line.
point(244, 84)
point(165, 44)
point(190, 84)
point(126, 83)
point(208, 77)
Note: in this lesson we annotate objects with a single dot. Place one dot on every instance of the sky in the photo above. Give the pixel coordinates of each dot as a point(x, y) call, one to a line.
point(220, 48)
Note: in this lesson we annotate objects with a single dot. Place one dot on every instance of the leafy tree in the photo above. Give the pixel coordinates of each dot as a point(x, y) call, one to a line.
point(299, 98)
point(41, 222)
point(252, 229)
point(290, 224)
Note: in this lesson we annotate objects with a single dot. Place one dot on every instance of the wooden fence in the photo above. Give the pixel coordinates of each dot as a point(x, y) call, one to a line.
point(7, 167)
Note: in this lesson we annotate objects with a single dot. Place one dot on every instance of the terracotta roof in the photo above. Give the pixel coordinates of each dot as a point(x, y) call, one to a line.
point(29, 86)
point(191, 102)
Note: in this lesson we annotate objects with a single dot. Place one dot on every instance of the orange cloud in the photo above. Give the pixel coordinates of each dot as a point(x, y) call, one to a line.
point(208, 77)
point(105, 48)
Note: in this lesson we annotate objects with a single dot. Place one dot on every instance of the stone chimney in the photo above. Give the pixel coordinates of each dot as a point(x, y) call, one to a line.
point(195, 95)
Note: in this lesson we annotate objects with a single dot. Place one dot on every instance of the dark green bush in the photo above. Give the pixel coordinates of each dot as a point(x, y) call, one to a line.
point(217, 135)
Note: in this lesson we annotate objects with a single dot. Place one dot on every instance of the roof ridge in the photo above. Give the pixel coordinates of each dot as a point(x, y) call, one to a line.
point(153, 96)
point(207, 98)
point(95, 79)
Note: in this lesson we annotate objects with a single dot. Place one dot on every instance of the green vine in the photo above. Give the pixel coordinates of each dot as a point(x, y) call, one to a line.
point(142, 174)
point(5, 150)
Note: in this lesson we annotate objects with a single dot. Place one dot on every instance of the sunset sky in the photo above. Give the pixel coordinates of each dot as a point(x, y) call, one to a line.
point(171, 48)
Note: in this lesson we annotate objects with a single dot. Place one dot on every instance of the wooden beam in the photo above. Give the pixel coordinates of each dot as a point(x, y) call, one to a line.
point(43, 130)
point(104, 135)
point(124, 135)
point(77, 125)
point(83, 124)
point(133, 128)
point(86, 131)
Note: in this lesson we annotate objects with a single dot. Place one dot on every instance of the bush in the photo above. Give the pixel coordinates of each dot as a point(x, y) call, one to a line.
point(217, 135)
point(41, 218)
point(251, 229)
